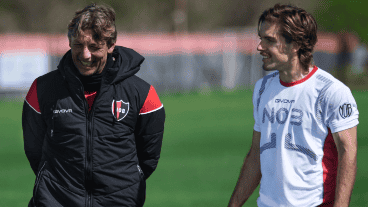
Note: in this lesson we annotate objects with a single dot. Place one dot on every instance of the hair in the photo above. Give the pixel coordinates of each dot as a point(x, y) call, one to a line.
point(99, 18)
point(295, 25)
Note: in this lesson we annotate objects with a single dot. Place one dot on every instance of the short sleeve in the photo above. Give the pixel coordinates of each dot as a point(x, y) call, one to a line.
point(342, 110)
point(257, 124)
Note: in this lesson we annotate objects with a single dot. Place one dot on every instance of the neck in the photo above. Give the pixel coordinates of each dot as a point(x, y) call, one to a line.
point(294, 72)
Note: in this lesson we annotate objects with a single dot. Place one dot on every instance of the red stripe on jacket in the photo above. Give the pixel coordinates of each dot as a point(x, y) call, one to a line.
point(152, 102)
point(32, 98)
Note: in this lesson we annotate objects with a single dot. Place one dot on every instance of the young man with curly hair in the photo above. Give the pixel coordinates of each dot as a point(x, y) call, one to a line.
point(304, 144)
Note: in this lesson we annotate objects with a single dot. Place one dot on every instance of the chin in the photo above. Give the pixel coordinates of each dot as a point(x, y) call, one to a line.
point(268, 68)
point(88, 72)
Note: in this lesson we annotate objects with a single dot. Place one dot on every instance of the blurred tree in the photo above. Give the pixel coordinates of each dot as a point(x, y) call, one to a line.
point(137, 16)
point(39, 16)
point(344, 16)
point(207, 15)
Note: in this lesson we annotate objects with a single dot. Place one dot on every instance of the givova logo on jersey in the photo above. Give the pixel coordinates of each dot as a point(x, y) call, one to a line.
point(119, 109)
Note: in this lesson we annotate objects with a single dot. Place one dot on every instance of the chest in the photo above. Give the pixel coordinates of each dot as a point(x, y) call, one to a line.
point(106, 112)
point(287, 106)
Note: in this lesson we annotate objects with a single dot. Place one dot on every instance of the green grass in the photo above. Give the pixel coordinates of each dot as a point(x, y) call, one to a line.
point(206, 139)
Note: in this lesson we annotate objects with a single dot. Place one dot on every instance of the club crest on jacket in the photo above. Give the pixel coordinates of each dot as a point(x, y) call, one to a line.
point(119, 109)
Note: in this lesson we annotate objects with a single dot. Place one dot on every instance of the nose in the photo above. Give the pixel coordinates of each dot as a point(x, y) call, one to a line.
point(86, 54)
point(259, 47)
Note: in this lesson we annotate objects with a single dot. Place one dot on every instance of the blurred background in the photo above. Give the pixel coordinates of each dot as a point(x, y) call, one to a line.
point(201, 57)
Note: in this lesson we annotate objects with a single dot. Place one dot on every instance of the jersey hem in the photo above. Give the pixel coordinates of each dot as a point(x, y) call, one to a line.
point(342, 128)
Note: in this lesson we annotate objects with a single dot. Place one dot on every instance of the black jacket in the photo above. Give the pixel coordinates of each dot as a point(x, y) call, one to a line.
point(93, 158)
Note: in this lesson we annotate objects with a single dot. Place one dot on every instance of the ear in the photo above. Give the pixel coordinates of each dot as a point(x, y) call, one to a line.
point(295, 47)
point(111, 48)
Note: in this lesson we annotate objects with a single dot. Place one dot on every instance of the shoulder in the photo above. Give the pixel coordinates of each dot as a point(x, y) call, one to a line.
point(140, 85)
point(329, 84)
point(50, 81)
point(46, 81)
point(149, 99)
point(262, 83)
point(268, 78)
point(146, 94)
point(138, 81)
point(40, 87)
point(49, 77)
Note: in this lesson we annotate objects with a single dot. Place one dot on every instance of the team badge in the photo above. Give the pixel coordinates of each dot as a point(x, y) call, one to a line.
point(119, 109)
point(345, 110)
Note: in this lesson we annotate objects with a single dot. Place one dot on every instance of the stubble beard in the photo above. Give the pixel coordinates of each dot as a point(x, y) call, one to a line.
point(267, 68)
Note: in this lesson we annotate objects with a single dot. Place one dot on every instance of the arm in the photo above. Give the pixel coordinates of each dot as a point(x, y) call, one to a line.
point(346, 144)
point(250, 174)
point(149, 133)
point(34, 128)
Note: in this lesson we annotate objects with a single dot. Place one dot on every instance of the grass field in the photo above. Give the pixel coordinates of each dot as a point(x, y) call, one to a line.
point(206, 139)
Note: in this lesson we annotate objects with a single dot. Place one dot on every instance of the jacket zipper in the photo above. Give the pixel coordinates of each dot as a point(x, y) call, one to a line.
point(88, 181)
point(88, 177)
point(89, 131)
point(89, 159)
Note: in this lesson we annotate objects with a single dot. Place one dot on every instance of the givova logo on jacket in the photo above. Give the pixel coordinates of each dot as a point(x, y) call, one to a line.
point(119, 109)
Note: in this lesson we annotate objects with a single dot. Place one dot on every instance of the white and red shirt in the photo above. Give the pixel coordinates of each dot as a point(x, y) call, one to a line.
point(297, 152)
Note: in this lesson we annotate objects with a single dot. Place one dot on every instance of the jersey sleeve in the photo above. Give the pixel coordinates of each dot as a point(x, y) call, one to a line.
point(149, 132)
point(342, 110)
point(257, 124)
point(34, 127)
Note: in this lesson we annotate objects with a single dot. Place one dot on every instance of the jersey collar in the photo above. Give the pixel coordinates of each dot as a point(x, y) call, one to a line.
point(301, 80)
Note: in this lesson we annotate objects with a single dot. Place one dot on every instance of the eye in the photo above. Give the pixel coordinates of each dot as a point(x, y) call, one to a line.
point(94, 48)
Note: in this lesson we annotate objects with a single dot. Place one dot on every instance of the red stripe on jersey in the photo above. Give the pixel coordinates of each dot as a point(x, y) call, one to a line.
point(301, 80)
point(90, 96)
point(329, 165)
point(32, 98)
point(152, 102)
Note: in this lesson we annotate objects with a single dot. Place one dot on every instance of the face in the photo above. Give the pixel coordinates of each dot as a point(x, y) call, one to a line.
point(277, 54)
point(88, 55)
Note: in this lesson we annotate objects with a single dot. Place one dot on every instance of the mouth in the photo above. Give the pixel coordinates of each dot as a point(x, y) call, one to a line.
point(86, 63)
point(265, 56)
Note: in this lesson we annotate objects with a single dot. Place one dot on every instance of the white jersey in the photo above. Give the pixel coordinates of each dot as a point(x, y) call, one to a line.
point(298, 154)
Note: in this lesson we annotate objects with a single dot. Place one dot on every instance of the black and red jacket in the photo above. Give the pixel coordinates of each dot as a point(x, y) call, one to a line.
point(98, 157)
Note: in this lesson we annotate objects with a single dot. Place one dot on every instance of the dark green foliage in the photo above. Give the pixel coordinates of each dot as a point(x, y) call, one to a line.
point(44, 16)
point(342, 15)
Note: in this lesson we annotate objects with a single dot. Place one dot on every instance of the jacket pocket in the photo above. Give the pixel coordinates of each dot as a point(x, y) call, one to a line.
point(141, 187)
point(38, 178)
point(140, 172)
